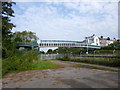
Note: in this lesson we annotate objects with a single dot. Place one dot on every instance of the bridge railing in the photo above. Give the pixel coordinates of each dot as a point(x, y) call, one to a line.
point(68, 45)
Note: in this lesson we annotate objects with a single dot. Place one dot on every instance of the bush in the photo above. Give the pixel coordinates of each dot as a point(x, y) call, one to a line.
point(65, 58)
point(19, 62)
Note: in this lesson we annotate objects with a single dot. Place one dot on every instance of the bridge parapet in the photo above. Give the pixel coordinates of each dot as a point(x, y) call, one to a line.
point(62, 43)
point(57, 44)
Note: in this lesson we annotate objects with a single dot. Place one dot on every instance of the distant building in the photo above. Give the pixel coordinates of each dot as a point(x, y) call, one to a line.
point(100, 41)
point(92, 40)
point(105, 41)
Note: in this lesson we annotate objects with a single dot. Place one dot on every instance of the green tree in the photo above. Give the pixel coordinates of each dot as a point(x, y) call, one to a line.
point(25, 36)
point(55, 51)
point(50, 51)
point(74, 50)
point(7, 13)
point(42, 52)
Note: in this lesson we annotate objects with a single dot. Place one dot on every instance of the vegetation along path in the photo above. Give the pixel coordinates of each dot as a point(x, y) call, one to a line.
point(69, 75)
point(96, 66)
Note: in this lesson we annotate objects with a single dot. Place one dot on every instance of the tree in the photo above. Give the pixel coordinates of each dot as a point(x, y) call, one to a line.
point(73, 50)
point(7, 13)
point(101, 37)
point(25, 36)
point(42, 52)
point(7, 26)
point(49, 51)
point(108, 38)
point(55, 51)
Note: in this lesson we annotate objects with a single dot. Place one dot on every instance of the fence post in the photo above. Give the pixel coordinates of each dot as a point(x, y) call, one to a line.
point(114, 52)
point(94, 53)
point(80, 54)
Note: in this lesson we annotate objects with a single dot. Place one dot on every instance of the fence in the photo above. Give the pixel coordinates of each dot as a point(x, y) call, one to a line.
point(56, 56)
point(53, 56)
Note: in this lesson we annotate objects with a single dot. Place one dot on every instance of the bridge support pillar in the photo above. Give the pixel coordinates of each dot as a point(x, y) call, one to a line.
point(38, 48)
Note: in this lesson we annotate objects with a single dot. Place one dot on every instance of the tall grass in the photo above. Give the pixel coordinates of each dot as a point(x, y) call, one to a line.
point(100, 61)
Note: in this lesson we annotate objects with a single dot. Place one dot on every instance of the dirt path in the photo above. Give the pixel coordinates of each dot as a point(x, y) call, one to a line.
point(68, 76)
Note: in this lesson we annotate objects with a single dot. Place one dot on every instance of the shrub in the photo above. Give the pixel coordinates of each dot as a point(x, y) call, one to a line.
point(19, 62)
point(66, 58)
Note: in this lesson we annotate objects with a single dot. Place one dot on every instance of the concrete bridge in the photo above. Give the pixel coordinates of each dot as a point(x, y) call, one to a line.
point(63, 43)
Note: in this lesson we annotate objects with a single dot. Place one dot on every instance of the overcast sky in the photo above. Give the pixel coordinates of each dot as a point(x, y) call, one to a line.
point(67, 20)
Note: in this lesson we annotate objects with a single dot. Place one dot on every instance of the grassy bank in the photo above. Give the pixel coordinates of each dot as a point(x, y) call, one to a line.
point(25, 61)
point(100, 61)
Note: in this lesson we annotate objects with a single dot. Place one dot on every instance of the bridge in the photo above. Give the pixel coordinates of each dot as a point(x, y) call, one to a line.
point(64, 43)
point(54, 43)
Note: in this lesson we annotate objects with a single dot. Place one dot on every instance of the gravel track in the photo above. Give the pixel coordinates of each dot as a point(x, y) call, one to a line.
point(67, 76)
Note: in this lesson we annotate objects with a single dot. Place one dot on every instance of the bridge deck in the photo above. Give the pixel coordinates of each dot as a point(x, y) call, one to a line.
point(68, 45)
point(51, 43)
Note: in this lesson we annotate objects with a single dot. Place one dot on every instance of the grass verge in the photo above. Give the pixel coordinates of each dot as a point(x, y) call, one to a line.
point(45, 64)
point(112, 62)
point(95, 67)
point(37, 65)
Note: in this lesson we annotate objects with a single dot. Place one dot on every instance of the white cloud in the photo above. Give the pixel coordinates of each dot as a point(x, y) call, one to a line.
point(48, 23)
point(64, 0)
